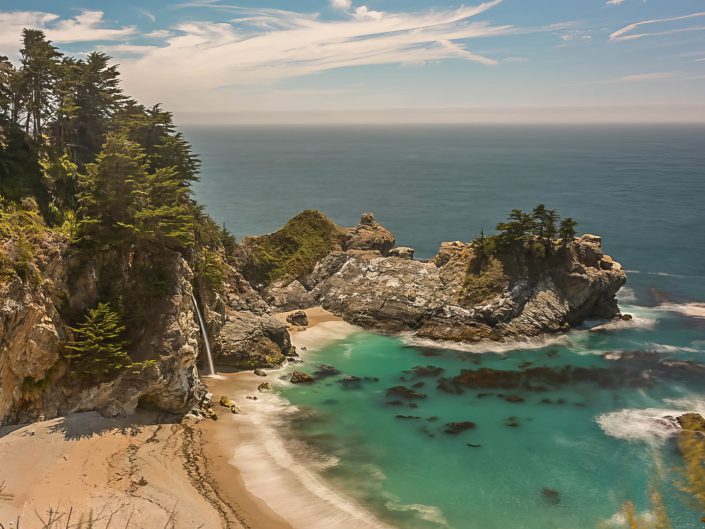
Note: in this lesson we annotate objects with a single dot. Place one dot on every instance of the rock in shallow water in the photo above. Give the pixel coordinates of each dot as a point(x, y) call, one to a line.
point(299, 377)
point(693, 422)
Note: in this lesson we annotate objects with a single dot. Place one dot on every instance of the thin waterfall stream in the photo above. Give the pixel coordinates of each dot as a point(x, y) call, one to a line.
point(204, 332)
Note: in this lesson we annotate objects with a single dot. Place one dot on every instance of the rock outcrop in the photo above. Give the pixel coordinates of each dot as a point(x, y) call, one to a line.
point(369, 235)
point(36, 380)
point(514, 296)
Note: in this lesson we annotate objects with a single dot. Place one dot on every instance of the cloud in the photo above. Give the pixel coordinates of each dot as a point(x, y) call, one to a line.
point(265, 46)
point(88, 26)
point(341, 4)
point(627, 32)
point(640, 77)
point(614, 2)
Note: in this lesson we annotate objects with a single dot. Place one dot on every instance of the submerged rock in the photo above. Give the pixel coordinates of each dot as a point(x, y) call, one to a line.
point(454, 428)
point(405, 393)
point(551, 496)
point(351, 382)
point(325, 371)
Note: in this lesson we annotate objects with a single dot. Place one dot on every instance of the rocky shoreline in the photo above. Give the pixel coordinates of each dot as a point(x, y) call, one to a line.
point(358, 274)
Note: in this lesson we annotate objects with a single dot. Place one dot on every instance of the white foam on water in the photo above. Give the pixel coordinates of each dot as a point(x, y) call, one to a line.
point(626, 295)
point(428, 513)
point(693, 309)
point(619, 520)
point(650, 425)
point(666, 348)
point(284, 473)
point(485, 346)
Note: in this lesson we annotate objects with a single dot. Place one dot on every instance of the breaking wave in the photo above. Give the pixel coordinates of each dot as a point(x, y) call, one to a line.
point(650, 425)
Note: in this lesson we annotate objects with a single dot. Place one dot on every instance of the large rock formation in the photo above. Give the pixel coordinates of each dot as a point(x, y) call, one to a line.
point(513, 295)
point(36, 380)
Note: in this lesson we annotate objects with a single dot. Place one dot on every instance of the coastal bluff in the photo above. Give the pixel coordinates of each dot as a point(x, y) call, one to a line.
point(368, 281)
point(468, 292)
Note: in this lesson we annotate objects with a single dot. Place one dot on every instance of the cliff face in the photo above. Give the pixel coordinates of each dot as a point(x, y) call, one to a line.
point(35, 377)
point(356, 273)
point(447, 298)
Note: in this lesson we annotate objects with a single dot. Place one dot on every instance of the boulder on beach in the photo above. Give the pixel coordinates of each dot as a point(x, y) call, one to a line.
point(264, 386)
point(227, 402)
point(298, 317)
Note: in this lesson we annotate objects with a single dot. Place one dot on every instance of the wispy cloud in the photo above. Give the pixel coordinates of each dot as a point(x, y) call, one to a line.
point(627, 32)
point(88, 26)
point(614, 2)
point(642, 77)
point(267, 45)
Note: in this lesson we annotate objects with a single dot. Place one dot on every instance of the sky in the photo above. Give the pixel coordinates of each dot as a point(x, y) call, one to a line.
point(281, 61)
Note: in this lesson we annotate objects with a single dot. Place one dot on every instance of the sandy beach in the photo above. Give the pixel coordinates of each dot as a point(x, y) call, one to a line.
point(150, 471)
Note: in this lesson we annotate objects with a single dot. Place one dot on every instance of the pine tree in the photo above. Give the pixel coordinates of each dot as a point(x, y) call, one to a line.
point(567, 230)
point(98, 349)
point(111, 193)
point(40, 61)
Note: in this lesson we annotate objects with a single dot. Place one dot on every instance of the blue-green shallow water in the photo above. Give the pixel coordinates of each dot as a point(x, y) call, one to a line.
point(414, 475)
point(640, 187)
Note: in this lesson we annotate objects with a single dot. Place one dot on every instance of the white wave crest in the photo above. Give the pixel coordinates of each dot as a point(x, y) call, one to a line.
point(650, 425)
point(665, 348)
point(427, 513)
point(626, 295)
point(693, 310)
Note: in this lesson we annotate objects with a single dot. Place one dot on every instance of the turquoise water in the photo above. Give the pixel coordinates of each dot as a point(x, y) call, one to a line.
point(413, 474)
point(568, 464)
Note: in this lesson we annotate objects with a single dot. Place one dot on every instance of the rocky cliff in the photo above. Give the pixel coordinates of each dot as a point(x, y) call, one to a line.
point(38, 308)
point(514, 296)
point(356, 273)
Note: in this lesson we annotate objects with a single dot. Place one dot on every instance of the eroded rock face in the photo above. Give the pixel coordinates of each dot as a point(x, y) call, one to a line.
point(431, 298)
point(288, 295)
point(249, 341)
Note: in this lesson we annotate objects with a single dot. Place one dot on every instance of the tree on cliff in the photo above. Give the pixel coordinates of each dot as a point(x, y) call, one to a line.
point(98, 348)
point(123, 202)
point(567, 230)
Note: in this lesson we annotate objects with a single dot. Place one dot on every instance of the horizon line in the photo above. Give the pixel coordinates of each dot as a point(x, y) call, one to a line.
point(567, 115)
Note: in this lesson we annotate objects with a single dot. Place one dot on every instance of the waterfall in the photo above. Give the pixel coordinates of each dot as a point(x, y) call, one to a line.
point(204, 332)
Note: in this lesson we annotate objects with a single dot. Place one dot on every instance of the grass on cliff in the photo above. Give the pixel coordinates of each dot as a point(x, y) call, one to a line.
point(482, 283)
point(22, 230)
point(292, 251)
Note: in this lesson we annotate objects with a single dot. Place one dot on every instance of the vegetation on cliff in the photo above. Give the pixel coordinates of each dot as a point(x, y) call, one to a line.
point(107, 179)
point(292, 251)
point(522, 239)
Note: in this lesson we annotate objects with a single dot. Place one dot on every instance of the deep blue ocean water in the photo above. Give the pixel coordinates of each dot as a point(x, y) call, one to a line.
point(641, 187)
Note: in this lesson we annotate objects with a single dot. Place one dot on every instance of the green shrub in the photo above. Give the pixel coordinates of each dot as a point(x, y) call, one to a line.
point(294, 250)
point(484, 283)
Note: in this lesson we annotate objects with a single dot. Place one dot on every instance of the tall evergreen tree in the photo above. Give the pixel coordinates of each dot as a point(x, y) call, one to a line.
point(39, 73)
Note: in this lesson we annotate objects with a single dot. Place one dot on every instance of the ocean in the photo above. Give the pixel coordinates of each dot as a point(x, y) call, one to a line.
point(581, 455)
